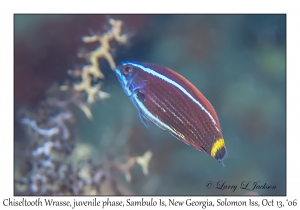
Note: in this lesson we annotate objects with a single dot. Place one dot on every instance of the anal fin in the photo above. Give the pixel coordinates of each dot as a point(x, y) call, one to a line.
point(170, 132)
point(174, 136)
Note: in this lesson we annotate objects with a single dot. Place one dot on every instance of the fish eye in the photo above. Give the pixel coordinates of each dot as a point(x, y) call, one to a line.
point(127, 70)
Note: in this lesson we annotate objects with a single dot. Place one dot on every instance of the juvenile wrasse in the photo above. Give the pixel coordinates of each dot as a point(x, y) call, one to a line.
point(171, 102)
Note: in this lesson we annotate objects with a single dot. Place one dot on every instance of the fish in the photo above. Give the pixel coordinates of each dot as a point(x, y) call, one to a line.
point(167, 99)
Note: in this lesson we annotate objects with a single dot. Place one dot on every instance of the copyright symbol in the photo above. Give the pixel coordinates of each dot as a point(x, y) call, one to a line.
point(209, 185)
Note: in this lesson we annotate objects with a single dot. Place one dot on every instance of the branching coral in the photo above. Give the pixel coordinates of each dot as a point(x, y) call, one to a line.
point(143, 161)
point(103, 51)
point(51, 169)
point(92, 71)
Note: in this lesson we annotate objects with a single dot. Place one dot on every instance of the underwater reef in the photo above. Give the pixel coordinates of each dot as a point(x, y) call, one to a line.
point(51, 164)
point(77, 133)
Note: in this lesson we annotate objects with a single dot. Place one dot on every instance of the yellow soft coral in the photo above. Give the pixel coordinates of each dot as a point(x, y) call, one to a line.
point(103, 50)
point(92, 70)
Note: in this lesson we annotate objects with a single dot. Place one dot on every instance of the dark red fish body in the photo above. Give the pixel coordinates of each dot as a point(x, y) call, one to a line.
point(170, 101)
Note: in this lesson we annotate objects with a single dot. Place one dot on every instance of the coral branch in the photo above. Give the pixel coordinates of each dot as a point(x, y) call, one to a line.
point(44, 132)
point(103, 51)
point(144, 160)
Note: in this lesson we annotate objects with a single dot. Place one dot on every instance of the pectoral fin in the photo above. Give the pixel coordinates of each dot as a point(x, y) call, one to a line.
point(144, 120)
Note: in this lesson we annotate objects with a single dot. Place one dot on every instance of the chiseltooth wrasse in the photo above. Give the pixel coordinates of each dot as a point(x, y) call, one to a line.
point(171, 102)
